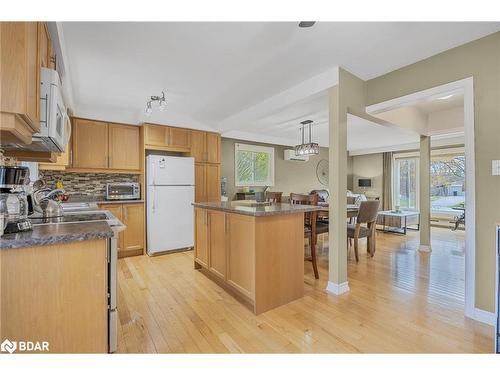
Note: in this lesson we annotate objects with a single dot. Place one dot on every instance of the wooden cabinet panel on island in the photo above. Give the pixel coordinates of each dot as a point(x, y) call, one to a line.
point(124, 147)
point(217, 243)
point(241, 253)
point(259, 259)
point(90, 144)
point(201, 237)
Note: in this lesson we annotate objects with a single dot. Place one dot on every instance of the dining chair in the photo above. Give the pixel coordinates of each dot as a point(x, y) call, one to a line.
point(310, 224)
point(274, 196)
point(368, 211)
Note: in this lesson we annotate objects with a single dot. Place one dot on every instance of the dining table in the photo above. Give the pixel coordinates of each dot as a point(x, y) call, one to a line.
point(352, 210)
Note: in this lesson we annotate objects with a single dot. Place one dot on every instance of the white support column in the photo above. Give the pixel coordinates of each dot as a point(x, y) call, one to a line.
point(425, 193)
point(337, 154)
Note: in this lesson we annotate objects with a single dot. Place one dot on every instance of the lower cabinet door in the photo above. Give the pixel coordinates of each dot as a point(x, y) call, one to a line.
point(240, 231)
point(133, 236)
point(217, 240)
point(201, 237)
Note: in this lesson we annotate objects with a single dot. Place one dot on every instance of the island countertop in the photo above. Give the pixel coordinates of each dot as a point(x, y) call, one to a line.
point(270, 210)
point(56, 233)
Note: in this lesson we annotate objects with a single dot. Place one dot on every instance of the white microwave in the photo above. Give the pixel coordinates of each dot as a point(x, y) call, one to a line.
point(55, 125)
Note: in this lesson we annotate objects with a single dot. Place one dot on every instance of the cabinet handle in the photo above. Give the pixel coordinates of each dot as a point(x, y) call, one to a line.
point(71, 158)
point(225, 223)
point(126, 213)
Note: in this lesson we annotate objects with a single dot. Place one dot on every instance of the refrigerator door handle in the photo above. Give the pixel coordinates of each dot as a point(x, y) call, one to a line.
point(154, 198)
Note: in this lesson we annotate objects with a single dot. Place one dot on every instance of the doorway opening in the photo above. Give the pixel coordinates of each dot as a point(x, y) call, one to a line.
point(446, 114)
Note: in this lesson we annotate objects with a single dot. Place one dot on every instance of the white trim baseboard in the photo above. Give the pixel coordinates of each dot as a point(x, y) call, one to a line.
point(337, 288)
point(484, 316)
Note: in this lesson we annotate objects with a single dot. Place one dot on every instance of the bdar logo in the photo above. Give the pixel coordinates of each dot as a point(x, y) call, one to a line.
point(8, 346)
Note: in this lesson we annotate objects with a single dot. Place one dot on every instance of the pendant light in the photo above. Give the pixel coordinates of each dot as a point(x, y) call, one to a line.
point(309, 148)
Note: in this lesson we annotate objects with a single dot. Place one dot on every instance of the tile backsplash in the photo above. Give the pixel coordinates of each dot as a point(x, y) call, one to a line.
point(85, 183)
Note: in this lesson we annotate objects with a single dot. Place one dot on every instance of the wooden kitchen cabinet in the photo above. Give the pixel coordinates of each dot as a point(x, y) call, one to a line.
point(90, 144)
point(133, 236)
point(179, 138)
point(205, 147)
point(166, 138)
point(200, 188)
point(44, 46)
point(212, 182)
point(217, 243)
point(103, 146)
point(241, 253)
point(259, 259)
point(201, 237)
point(198, 145)
point(124, 147)
point(155, 135)
point(57, 293)
point(213, 148)
point(19, 81)
point(207, 182)
point(131, 240)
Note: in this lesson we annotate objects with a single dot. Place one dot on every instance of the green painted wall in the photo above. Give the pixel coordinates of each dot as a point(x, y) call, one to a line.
point(481, 60)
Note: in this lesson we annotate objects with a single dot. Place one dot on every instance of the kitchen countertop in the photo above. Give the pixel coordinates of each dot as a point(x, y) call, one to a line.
point(99, 199)
point(271, 210)
point(56, 233)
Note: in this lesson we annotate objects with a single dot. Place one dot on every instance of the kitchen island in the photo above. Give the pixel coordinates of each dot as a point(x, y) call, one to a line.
point(255, 253)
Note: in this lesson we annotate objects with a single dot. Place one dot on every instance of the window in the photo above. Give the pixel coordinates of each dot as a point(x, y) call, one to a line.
point(253, 165)
point(406, 183)
point(447, 183)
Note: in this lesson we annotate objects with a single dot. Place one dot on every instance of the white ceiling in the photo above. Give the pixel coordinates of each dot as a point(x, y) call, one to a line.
point(216, 71)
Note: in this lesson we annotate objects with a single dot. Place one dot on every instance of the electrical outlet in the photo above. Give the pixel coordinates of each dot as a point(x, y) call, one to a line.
point(495, 167)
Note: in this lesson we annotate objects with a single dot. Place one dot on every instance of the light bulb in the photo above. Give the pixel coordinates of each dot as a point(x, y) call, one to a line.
point(149, 109)
point(163, 104)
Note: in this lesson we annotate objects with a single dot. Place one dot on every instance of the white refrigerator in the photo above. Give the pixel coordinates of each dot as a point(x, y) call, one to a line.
point(170, 193)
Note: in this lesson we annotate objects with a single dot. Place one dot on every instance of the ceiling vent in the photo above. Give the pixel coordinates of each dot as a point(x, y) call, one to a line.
point(290, 155)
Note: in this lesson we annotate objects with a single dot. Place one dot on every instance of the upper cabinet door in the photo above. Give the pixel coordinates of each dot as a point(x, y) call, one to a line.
point(43, 44)
point(198, 145)
point(155, 135)
point(124, 147)
point(212, 177)
point(180, 138)
point(32, 75)
point(90, 144)
point(213, 148)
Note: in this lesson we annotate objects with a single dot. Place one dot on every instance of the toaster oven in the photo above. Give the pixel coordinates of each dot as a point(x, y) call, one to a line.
point(123, 191)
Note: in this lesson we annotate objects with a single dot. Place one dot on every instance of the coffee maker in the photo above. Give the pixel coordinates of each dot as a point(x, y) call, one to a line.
point(14, 207)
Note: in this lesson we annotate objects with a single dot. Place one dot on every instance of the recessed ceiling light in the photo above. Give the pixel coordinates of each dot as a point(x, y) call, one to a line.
point(306, 23)
point(445, 97)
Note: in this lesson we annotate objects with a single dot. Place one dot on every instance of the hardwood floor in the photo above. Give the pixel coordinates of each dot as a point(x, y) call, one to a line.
point(400, 301)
